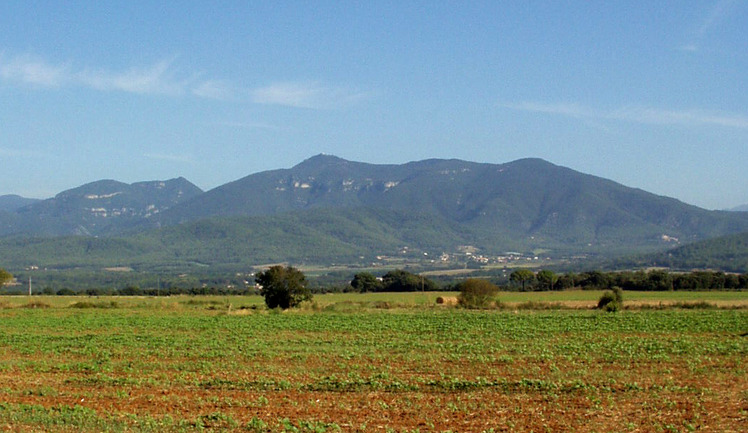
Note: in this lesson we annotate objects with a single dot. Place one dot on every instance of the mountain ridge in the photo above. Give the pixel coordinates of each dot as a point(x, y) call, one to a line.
point(431, 206)
point(102, 207)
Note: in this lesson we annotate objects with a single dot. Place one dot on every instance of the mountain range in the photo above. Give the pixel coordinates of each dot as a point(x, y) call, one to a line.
point(327, 209)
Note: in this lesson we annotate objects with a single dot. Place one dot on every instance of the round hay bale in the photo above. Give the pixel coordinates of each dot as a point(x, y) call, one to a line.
point(447, 300)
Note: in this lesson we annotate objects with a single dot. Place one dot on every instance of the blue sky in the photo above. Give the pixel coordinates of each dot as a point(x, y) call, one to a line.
point(653, 95)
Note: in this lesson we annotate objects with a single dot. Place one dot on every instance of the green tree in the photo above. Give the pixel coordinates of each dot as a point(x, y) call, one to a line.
point(477, 293)
point(547, 278)
point(5, 277)
point(366, 282)
point(659, 280)
point(283, 286)
point(404, 281)
point(522, 276)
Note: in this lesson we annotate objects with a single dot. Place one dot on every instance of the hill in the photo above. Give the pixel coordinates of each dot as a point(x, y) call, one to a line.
point(11, 203)
point(105, 207)
point(725, 253)
point(743, 208)
point(315, 236)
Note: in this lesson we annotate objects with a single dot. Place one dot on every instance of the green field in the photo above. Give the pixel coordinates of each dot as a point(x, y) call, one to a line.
point(375, 362)
point(574, 298)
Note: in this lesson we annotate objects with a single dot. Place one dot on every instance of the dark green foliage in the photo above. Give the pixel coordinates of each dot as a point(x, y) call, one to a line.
point(594, 280)
point(131, 291)
point(477, 293)
point(547, 279)
point(523, 277)
point(366, 282)
point(404, 281)
point(283, 287)
point(611, 301)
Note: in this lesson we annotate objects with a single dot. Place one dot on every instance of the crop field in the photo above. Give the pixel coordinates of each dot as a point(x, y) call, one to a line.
point(396, 364)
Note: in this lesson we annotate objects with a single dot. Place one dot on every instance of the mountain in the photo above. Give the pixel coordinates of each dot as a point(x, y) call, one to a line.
point(10, 203)
point(329, 210)
point(743, 208)
point(104, 207)
point(529, 199)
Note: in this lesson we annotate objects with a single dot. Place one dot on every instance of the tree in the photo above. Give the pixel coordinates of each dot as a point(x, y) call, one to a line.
point(5, 277)
point(283, 286)
point(522, 276)
point(547, 278)
point(477, 293)
point(366, 282)
point(404, 281)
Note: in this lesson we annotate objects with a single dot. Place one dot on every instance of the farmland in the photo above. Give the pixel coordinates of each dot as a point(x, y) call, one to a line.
point(379, 362)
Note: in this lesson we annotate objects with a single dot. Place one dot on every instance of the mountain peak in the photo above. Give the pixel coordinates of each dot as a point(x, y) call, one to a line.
point(321, 160)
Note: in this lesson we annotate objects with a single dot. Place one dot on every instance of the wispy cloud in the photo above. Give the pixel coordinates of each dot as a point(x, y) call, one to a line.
point(215, 89)
point(636, 114)
point(719, 12)
point(30, 70)
point(182, 159)
point(306, 95)
point(158, 78)
point(164, 78)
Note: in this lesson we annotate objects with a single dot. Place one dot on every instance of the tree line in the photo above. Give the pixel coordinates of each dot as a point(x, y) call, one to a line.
point(547, 280)
point(399, 280)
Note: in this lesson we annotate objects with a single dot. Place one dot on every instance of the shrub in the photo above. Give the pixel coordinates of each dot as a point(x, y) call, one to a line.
point(611, 300)
point(477, 293)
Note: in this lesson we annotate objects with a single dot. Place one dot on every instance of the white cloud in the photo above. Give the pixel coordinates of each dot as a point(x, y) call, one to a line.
point(214, 89)
point(30, 70)
point(637, 114)
point(155, 79)
point(162, 78)
point(306, 95)
point(158, 78)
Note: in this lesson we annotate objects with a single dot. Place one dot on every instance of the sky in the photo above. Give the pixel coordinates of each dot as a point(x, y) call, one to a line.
point(653, 95)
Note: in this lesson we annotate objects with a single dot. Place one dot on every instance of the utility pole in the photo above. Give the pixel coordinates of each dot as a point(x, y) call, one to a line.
point(29, 285)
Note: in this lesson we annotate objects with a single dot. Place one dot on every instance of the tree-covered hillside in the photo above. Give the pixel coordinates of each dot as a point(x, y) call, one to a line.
point(727, 253)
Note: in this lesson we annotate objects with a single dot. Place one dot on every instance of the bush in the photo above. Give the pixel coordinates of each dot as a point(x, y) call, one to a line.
point(477, 293)
point(611, 300)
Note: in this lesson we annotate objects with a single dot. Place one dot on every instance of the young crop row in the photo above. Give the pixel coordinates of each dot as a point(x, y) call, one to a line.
point(405, 370)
